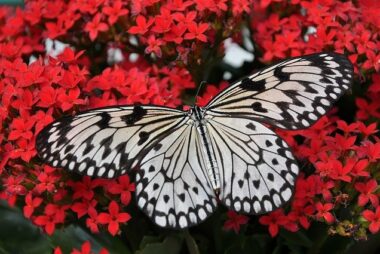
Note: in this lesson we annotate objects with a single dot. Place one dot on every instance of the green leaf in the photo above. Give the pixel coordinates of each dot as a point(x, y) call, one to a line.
point(170, 245)
point(19, 235)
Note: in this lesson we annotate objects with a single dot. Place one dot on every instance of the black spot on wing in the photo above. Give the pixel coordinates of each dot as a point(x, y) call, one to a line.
point(157, 147)
point(143, 137)
point(137, 114)
point(182, 197)
point(104, 122)
point(248, 84)
point(256, 183)
point(257, 106)
point(280, 75)
point(251, 126)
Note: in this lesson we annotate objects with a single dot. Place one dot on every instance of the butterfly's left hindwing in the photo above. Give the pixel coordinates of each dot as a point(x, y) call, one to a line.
point(257, 168)
point(292, 94)
point(105, 142)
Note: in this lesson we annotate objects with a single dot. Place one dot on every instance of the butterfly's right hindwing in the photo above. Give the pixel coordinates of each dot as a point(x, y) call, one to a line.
point(105, 142)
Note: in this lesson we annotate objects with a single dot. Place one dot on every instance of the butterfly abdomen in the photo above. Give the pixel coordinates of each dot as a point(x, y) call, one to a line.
point(207, 149)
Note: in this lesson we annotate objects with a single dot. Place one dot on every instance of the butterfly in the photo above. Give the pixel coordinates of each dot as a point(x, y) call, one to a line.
point(188, 161)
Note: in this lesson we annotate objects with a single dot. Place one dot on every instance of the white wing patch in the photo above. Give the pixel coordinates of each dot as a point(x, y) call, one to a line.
point(291, 95)
point(172, 186)
point(258, 170)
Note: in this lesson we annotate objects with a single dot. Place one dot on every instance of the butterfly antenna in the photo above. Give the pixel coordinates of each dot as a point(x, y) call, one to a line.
point(199, 89)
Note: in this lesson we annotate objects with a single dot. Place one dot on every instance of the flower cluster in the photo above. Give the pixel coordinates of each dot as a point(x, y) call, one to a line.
point(125, 52)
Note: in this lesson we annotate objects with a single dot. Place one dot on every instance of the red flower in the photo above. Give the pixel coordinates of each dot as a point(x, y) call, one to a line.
point(68, 56)
point(234, 221)
point(85, 188)
point(53, 215)
point(13, 185)
point(141, 25)
point(30, 204)
point(86, 249)
point(92, 221)
point(154, 46)
point(114, 12)
point(196, 31)
point(340, 172)
point(373, 218)
point(95, 26)
point(47, 97)
point(21, 128)
point(46, 182)
point(82, 208)
point(70, 100)
point(113, 218)
point(124, 187)
point(323, 212)
point(274, 220)
point(163, 22)
point(366, 193)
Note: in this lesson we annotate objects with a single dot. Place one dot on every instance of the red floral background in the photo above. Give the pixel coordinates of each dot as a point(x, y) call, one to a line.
point(150, 51)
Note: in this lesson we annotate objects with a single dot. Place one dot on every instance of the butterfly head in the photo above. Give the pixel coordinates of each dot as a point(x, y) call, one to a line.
point(197, 113)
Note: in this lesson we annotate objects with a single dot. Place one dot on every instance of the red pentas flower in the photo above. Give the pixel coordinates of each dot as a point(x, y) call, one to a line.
point(92, 221)
point(86, 249)
point(235, 221)
point(46, 182)
point(141, 25)
point(30, 204)
point(53, 215)
point(196, 31)
point(323, 212)
point(21, 128)
point(154, 46)
point(373, 218)
point(95, 26)
point(82, 208)
point(113, 218)
point(367, 193)
point(274, 220)
point(123, 187)
point(85, 188)
point(13, 185)
point(67, 101)
point(115, 11)
point(68, 55)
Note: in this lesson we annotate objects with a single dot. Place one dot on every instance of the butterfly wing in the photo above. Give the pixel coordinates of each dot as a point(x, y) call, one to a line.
point(172, 187)
point(292, 94)
point(106, 142)
point(257, 168)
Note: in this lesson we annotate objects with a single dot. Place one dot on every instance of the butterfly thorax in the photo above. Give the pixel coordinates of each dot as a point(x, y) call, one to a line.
point(209, 159)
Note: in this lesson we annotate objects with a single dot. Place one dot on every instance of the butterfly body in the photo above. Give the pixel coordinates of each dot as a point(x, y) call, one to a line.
point(187, 161)
point(208, 151)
